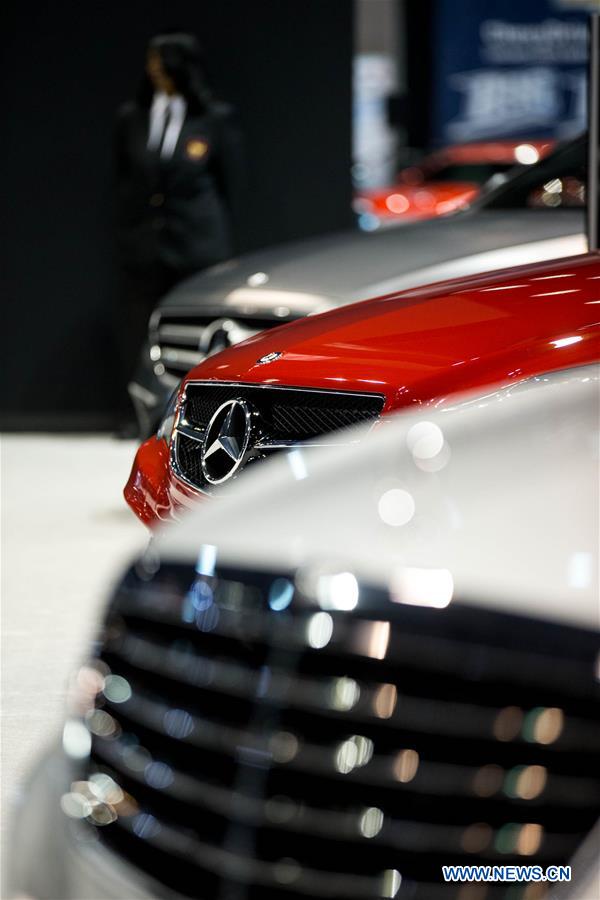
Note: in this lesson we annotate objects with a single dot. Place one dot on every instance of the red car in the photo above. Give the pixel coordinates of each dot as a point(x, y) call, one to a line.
point(448, 179)
point(300, 382)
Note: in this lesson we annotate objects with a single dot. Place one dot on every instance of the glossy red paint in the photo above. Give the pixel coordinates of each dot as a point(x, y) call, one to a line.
point(152, 492)
point(423, 191)
point(417, 348)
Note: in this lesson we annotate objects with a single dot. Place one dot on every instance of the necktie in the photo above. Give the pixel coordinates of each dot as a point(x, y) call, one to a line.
point(166, 122)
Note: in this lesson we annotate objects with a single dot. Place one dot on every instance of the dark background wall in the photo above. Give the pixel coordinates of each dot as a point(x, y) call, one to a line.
point(66, 67)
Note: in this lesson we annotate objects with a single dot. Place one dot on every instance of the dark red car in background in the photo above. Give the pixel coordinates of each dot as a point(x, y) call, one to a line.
point(448, 179)
point(301, 383)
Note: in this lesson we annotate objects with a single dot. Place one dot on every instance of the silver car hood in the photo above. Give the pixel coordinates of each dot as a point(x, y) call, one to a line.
point(493, 500)
point(313, 275)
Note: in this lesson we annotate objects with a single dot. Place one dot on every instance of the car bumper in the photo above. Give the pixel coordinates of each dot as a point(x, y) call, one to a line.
point(154, 494)
point(54, 857)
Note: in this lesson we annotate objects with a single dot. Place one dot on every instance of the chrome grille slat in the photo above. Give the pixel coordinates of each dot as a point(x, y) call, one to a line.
point(179, 358)
point(317, 695)
point(433, 777)
point(416, 836)
point(183, 334)
point(349, 641)
point(173, 331)
point(310, 882)
point(261, 730)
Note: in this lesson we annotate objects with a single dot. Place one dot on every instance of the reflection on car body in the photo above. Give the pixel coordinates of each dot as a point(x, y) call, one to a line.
point(508, 225)
point(362, 362)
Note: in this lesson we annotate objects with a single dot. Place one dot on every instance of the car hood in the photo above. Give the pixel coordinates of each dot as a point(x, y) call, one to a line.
point(490, 501)
point(313, 275)
point(431, 341)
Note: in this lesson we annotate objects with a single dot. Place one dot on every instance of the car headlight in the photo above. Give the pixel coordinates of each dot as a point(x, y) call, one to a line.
point(165, 429)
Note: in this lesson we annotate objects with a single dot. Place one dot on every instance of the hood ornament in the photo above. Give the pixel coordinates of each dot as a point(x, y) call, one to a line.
point(269, 357)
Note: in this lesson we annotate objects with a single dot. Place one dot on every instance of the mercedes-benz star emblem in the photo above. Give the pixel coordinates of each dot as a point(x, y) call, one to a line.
point(268, 357)
point(226, 441)
point(216, 336)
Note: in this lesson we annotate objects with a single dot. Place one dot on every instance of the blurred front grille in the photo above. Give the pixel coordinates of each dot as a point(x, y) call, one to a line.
point(270, 750)
point(181, 339)
point(284, 416)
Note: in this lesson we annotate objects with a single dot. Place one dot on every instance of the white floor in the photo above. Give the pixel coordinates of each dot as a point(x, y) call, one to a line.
point(66, 534)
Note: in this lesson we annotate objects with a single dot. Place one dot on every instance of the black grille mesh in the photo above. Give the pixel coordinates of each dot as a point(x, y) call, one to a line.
point(286, 414)
point(188, 457)
point(283, 415)
point(473, 740)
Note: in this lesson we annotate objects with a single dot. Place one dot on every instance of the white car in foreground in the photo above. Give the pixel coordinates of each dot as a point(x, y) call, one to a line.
point(349, 672)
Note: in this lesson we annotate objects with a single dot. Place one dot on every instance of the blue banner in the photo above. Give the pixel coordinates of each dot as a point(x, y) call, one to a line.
point(508, 68)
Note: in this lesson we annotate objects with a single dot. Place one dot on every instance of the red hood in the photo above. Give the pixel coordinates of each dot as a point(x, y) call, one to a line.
point(429, 342)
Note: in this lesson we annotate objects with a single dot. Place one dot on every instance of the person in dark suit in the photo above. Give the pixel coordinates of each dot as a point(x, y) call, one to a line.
point(179, 180)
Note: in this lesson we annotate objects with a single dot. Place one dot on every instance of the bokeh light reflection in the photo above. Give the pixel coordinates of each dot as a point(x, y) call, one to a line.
point(319, 630)
point(371, 822)
point(353, 753)
point(406, 766)
point(281, 593)
point(396, 507)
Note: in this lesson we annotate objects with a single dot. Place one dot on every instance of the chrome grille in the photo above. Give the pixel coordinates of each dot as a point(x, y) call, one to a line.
point(181, 339)
point(271, 754)
point(283, 417)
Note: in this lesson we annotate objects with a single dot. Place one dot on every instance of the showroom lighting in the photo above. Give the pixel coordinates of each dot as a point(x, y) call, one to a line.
point(297, 464)
point(372, 639)
point(425, 440)
point(371, 822)
point(319, 630)
point(354, 753)
point(117, 689)
point(392, 880)
point(338, 591)
point(526, 154)
point(384, 702)
point(543, 725)
point(280, 594)
point(422, 587)
point(207, 560)
point(565, 342)
point(396, 507)
point(76, 739)
point(406, 766)
point(257, 279)
point(345, 694)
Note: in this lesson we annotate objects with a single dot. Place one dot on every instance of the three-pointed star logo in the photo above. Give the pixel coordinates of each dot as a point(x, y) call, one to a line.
point(227, 439)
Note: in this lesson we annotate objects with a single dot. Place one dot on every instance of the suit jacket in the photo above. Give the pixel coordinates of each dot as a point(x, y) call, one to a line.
point(179, 211)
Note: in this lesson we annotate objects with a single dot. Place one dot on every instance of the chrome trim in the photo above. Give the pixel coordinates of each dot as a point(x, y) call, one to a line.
point(244, 450)
point(189, 431)
point(432, 778)
point(317, 694)
point(183, 427)
point(286, 387)
point(191, 334)
point(177, 358)
point(290, 445)
point(241, 868)
point(351, 638)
